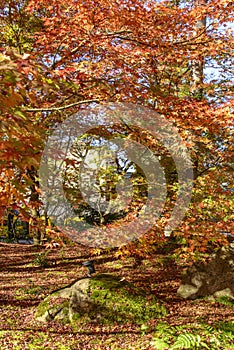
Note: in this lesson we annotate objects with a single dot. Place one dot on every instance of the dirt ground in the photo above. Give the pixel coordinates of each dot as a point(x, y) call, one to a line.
point(24, 283)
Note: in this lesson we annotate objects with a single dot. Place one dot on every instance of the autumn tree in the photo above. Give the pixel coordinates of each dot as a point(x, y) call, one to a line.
point(173, 57)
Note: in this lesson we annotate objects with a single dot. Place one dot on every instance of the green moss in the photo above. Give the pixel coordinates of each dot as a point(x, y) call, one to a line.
point(63, 315)
point(42, 308)
point(110, 301)
point(226, 300)
point(54, 305)
point(121, 302)
point(81, 319)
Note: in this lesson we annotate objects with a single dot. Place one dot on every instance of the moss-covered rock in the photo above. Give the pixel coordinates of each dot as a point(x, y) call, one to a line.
point(104, 298)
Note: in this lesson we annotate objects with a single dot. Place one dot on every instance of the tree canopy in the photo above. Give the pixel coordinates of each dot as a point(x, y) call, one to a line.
point(173, 57)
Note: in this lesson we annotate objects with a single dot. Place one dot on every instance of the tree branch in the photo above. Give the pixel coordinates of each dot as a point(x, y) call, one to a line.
point(76, 49)
point(52, 109)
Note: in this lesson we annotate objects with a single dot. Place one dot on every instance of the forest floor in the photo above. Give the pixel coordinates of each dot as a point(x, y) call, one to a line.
point(25, 282)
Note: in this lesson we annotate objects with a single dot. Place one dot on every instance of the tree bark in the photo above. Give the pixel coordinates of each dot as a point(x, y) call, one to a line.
point(197, 65)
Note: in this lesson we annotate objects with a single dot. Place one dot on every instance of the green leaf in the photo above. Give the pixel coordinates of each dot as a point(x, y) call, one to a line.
point(159, 344)
point(20, 114)
point(187, 341)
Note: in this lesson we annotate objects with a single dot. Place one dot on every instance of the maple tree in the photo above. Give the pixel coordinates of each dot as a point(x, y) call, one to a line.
point(173, 57)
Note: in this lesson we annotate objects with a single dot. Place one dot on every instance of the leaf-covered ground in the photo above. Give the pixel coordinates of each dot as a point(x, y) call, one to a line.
point(25, 282)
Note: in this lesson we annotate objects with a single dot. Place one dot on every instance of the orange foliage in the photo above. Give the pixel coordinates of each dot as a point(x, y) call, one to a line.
point(136, 51)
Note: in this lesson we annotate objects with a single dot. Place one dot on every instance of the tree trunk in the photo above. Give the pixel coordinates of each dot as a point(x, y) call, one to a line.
point(197, 65)
point(35, 223)
point(10, 225)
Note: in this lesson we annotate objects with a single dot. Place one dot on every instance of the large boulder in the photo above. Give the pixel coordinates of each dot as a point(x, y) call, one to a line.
point(215, 278)
point(103, 298)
